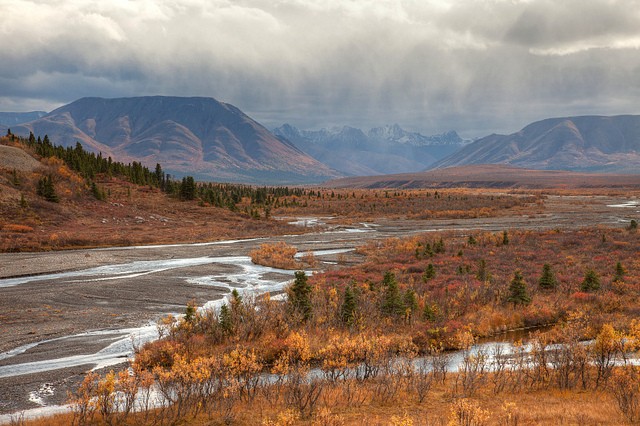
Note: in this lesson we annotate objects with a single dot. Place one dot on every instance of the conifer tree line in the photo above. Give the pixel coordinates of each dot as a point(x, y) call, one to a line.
point(89, 165)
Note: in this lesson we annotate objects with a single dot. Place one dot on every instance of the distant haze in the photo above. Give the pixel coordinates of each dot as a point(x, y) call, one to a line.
point(475, 66)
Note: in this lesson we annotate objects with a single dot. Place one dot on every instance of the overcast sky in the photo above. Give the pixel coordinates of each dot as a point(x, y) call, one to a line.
point(475, 66)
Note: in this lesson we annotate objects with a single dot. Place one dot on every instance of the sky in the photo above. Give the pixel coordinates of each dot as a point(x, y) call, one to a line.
point(474, 66)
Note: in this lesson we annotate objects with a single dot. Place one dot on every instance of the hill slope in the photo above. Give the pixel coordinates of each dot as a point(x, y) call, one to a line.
point(129, 213)
point(586, 143)
point(200, 137)
point(490, 176)
point(381, 150)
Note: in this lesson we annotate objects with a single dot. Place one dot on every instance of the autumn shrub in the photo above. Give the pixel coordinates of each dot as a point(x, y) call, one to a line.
point(82, 400)
point(17, 228)
point(626, 391)
point(278, 255)
point(466, 412)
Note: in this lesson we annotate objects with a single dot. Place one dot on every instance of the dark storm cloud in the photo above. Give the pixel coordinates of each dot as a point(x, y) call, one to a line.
point(475, 66)
point(573, 25)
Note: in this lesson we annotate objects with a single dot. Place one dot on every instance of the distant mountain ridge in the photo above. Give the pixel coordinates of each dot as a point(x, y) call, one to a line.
point(195, 136)
point(394, 133)
point(381, 150)
point(582, 143)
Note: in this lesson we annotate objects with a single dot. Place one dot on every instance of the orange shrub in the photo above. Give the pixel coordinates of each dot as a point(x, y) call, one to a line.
point(12, 227)
point(277, 255)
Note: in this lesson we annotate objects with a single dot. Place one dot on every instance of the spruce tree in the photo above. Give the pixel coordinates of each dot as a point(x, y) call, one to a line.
point(391, 302)
point(591, 281)
point(98, 193)
point(518, 291)
point(482, 274)
point(159, 176)
point(548, 279)
point(430, 311)
point(236, 299)
point(620, 273)
point(225, 320)
point(47, 190)
point(300, 296)
point(410, 301)
point(429, 273)
point(349, 306)
point(505, 238)
point(190, 313)
point(188, 188)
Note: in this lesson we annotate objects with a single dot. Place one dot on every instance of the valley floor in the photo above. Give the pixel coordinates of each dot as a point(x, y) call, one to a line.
point(49, 306)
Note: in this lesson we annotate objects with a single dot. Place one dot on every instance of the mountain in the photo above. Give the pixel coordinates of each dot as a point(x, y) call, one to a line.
point(381, 150)
point(585, 143)
point(201, 137)
point(396, 134)
point(9, 119)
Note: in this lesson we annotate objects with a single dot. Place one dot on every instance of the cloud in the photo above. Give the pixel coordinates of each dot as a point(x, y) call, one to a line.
point(572, 26)
point(477, 66)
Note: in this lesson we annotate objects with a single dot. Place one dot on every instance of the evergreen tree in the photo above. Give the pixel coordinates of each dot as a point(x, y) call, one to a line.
point(237, 307)
point(429, 273)
point(427, 251)
point(505, 238)
point(47, 190)
point(299, 296)
point(518, 291)
point(159, 176)
point(225, 320)
point(190, 313)
point(591, 281)
point(391, 302)
point(620, 273)
point(98, 193)
point(430, 312)
point(482, 274)
point(349, 306)
point(188, 188)
point(548, 279)
point(410, 302)
point(471, 240)
point(236, 300)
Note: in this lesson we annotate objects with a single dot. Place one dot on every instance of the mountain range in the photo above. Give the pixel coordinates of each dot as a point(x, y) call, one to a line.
point(201, 137)
point(381, 150)
point(212, 140)
point(584, 143)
